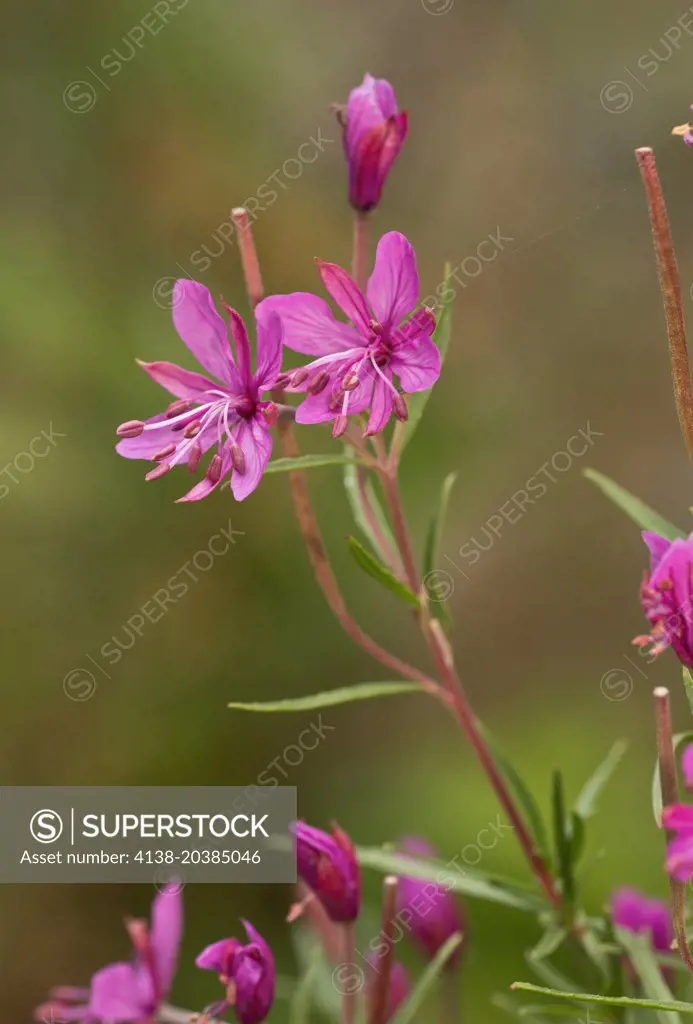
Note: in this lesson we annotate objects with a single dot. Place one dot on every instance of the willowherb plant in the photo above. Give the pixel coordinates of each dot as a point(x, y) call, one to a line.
point(633, 956)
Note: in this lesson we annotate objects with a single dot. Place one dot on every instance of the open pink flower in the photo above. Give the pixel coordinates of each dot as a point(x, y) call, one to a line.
point(374, 133)
point(246, 972)
point(227, 412)
point(667, 597)
point(355, 362)
point(125, 992)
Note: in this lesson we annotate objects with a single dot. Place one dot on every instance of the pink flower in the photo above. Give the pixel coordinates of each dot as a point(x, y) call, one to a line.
point(636, 913)
point(374, 133)
point(434, 911)
point(328, 866)
point(356, 362)
point(679, 820)
point(247, 972)
point(226, 412)
point(667, 597)
point(399, 987)
point(124, 992)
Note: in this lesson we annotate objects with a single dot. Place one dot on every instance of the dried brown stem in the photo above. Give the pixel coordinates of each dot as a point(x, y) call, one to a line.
point(670, 287)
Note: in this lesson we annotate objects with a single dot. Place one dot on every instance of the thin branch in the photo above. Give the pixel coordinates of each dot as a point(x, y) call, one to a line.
point(670, 795)
point(381, 989)
point(670, 287)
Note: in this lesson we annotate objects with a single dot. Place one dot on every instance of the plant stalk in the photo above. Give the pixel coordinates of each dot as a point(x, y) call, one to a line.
point(670, 795)
point(670, 287)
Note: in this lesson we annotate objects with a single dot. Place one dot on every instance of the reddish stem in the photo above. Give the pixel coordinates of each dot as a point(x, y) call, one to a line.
point(670, 287)
point(359, 266)
point(381, 989)
point(251, 264)
point(670, 795)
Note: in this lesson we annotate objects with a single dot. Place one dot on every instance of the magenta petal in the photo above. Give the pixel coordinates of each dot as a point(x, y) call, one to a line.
point(371, 161)
point(419, 326)
point(679, 862)
point(381, 408)
point(308, 323)
point(346, 293)
point(242, 343)
point(119, 993)
point(368, 105)
point(166, 934)
point(393, 287)
point(687, 766)
point(149, 442)
point(316, 408)
point(417, 366)
point(678, 818)
point(181, 383)
point(205, 486)
point(256, 443)
point(269, 350)
point(204, 332)
point(658, 547)
point(218, 956)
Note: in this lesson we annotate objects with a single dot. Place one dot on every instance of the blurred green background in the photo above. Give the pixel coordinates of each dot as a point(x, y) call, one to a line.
point(524, 117)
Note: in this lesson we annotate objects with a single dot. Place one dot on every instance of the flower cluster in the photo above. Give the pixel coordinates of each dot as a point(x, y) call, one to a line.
point(227, 409)
point(136, 991)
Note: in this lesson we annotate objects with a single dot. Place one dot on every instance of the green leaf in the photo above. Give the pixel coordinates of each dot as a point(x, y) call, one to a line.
point(360, 494)
point(523, 793)
point(439, 609)
point(312, 961)
point(646, 967)
point(417, 402)
point(517, 1010)
point(563, 845)
point(548, 944)
point(637, 510)
point(306, 988)
point(457, 879)
point(408, 1011)
point(329, 698)
point(370, 565)
point(677, 739)
point(586, 804)
point(435, 529)
point(688, 686)
point(580, 997)
point(541, 966)
point(309, 462)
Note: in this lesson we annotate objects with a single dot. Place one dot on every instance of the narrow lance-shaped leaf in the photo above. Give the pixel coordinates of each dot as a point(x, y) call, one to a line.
point(646, 967)
point(305, 989)
point(329, 698)
point(586, 804)
point(370, 565)
point(432, 549)
point(688, 686)
point(309, 462)
point(451, 877)
point(523, 793)
point(362, 497)
point(563, 844)
point(582, 997)
point(637, 510)
point(408, 1011)
point(416, 403)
